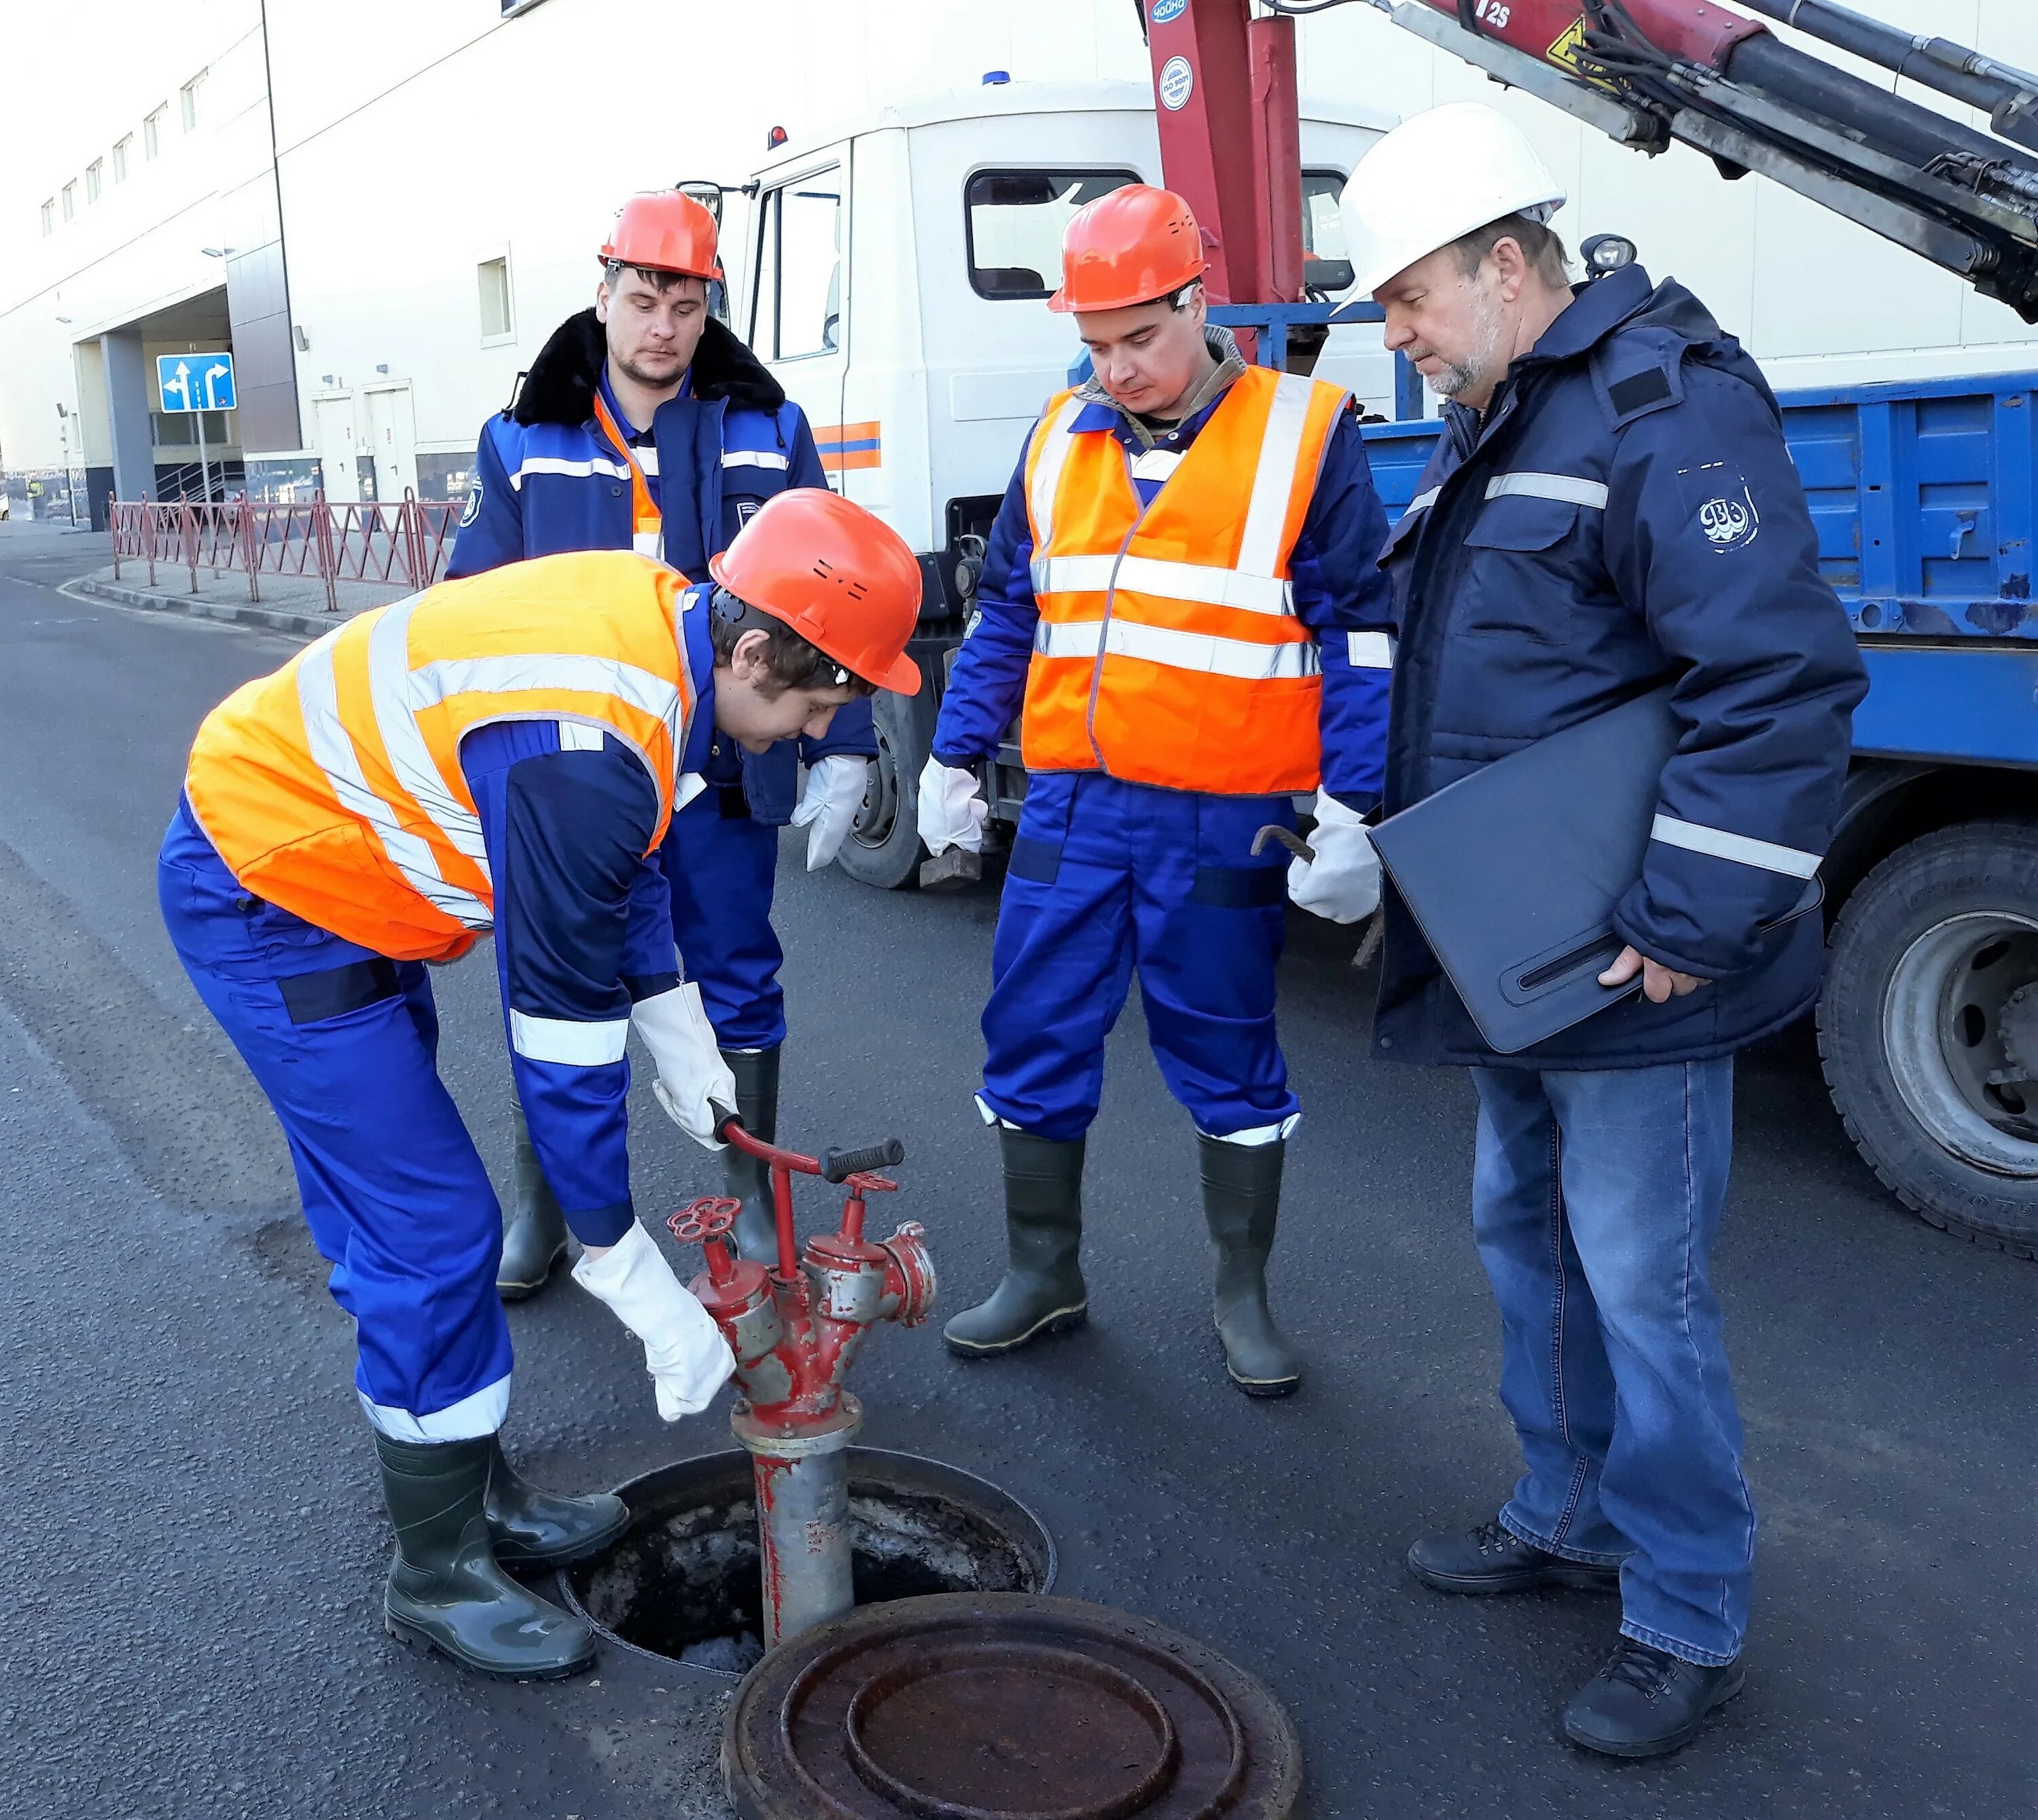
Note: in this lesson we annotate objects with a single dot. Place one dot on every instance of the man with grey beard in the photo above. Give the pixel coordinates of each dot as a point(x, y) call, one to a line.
point(1611, 509)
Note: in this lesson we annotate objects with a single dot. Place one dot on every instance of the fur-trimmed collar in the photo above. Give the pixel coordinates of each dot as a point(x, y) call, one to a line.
point(559, 387)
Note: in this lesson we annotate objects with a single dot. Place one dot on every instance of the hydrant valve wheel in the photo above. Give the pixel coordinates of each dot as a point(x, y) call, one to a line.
point(710, 1217)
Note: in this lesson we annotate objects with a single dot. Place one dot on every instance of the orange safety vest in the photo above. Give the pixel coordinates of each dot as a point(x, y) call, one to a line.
point(333, 787)
point(647, 524)
point(1168, 651)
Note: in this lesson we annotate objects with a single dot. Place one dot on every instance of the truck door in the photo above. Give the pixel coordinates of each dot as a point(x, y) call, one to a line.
point(798, 320)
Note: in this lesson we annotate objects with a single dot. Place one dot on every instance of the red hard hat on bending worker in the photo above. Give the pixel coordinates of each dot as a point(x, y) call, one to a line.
point(1134, 245)
point(665, 231)
point(841, 577)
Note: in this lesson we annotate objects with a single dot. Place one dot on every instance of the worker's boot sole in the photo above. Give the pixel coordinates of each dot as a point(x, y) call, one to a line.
point(523, 1291)
point(1061, 1321)
point(420, 1641)
point(1267, 1388)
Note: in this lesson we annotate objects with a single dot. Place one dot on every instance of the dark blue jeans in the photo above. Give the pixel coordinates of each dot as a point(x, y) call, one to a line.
point(1596, 1198)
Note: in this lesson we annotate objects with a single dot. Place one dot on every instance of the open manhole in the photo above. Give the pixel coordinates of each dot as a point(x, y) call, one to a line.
point(1002, 1706)
point(683, 1582)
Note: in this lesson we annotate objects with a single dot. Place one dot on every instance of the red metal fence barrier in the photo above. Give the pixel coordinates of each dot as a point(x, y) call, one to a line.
point(357, 541)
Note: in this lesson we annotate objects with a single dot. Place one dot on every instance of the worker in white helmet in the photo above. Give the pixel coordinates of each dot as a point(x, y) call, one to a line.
point(1610, 508)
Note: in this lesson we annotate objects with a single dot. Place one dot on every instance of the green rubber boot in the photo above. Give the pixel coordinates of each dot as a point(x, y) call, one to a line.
point(446, 1591)
point(756, 1072)
point(534, 1230)
point(1042, 1291)
point(529, 1528)
point(1241, 1203)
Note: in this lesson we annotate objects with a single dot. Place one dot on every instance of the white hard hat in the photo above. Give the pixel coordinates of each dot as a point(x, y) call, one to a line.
point(1435, 179)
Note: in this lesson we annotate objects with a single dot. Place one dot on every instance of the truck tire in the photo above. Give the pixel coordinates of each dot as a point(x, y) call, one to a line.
point(884, 848)
point(1928, 1026)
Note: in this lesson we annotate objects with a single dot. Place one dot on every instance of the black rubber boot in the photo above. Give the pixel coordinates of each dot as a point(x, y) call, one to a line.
point(756, 1074)
point(1241, 1203)
point(446, 1591)
point(1042, 1290)
point(534, 1232)
point(530, 1528)
point(1648, 1703)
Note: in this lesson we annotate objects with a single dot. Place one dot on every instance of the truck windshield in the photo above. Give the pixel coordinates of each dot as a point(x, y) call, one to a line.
point(1325, 264)
point(1015, 223)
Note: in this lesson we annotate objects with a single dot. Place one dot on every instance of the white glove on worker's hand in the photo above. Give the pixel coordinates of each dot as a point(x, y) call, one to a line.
point(951, 814)
point(684, 1350)
point(834, 792)
point(694, 1084)
point(1343, 882)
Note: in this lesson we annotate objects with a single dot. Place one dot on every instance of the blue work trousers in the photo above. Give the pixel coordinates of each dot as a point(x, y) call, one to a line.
point(721, 863)
point(1107, 876)
point(345, 1043)
point(1595, 1199)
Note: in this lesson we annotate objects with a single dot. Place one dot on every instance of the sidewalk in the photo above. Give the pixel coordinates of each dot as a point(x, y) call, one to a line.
point(294, 604)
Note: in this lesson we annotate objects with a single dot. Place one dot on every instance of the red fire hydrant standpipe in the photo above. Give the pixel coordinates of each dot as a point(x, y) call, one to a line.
point(794, 1331)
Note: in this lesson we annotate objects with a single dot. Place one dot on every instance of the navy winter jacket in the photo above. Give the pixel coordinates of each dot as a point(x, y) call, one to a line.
point(1624, 514)
point(546, 479)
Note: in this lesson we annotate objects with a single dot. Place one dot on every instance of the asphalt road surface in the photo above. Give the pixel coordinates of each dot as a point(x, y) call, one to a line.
point(197, 1544)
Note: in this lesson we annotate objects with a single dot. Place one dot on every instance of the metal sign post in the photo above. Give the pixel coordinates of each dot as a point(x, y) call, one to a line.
point(210, 387)
point(204, 472)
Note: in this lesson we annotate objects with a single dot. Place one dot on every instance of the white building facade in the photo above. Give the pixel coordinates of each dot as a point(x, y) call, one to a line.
point(382, 211)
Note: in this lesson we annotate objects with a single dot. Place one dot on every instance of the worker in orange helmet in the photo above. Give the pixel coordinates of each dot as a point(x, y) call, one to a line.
point(644, 423)
point(1180, 589)
point(501, 753)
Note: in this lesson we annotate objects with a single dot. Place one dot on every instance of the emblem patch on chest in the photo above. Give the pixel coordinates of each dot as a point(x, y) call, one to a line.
point(1721, 505)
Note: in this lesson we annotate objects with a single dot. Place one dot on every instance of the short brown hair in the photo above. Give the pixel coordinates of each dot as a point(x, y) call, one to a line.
point(1543, 250)
point(791, 661)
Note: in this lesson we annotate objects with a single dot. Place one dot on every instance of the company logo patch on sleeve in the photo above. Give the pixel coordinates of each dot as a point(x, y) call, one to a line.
point(1721, 505)
point(473, 511)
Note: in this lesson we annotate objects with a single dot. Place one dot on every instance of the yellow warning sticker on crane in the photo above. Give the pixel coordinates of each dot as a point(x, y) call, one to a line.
point(1569, 53)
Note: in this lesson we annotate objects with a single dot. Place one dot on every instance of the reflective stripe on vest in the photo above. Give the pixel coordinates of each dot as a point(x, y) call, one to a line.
point(334, 788)
point(1168, 651)
point(647, 527)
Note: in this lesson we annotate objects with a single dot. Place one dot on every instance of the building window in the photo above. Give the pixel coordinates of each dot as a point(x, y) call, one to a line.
point(1014, 222)
point(93, 173)
point(152, 130)
point(120, 152)
point(69, 195)
point(498, 323)
point(50, 216)
point(187, 100)
point(179, 429)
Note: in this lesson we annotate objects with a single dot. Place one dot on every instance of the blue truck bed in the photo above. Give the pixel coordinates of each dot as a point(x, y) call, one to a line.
point(1924, 496)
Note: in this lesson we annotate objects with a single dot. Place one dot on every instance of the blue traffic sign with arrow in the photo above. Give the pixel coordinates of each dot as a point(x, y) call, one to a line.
point(195, 382)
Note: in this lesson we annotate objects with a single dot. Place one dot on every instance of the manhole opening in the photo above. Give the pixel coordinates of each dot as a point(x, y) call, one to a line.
point(683, 1583)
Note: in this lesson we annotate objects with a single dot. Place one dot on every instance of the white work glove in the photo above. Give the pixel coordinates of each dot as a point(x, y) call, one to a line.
point(834, 792)
point(684, 1350)
point(694, 1084)
point(951, 814)
point(1343, 882)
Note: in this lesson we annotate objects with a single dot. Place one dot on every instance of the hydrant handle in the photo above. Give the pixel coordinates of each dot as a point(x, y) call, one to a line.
point(840, 1165)
point(710, 1217)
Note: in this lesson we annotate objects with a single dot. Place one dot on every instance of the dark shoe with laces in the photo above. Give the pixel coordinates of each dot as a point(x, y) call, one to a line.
point(1492, 1559)
point(1647, 1702)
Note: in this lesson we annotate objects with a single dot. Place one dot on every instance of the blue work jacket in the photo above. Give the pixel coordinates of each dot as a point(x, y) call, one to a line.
point(1622, 515)
point(547, 479)
point(1338, 593)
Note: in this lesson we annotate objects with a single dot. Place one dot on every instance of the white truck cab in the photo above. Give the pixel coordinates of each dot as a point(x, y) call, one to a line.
point(895, 281)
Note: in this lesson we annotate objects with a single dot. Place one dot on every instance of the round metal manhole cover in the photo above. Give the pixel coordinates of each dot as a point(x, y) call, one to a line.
point(1005, 1706)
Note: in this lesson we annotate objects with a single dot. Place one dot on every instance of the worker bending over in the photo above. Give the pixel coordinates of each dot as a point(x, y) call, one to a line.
point(502, 753)
point(645, 424)
point(1181, 586)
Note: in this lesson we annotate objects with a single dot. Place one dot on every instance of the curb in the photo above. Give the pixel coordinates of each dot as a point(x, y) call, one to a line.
point(249, 613)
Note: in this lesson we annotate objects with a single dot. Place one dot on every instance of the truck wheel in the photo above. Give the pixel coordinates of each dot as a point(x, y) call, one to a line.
point(884, 848)
point(1928, 1025)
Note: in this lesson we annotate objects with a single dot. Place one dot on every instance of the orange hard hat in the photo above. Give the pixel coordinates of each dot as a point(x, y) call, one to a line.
point(666, 231)
point(839, 576)
point(1132, 246)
